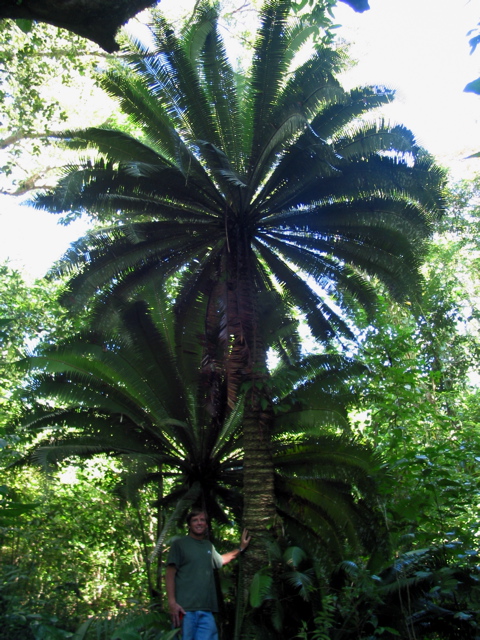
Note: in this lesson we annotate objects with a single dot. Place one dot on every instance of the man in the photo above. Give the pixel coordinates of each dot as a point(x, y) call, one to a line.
point(190, 583)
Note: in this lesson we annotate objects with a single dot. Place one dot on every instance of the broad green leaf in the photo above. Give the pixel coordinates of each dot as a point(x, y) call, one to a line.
point(260, 588)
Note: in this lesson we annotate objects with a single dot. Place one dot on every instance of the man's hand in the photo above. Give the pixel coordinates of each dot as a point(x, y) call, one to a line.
point(245, 540)
point(231, 555)
point(176, 613)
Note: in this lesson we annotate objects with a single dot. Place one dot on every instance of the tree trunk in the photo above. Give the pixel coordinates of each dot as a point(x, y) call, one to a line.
point(258, 484)
point(96, 20)
point(246, 370)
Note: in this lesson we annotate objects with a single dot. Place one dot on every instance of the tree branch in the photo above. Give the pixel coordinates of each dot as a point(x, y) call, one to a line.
point(96, 20)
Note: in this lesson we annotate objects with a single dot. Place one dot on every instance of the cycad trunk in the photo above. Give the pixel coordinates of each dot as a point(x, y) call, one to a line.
point(259, 504)
point(246, 366)
point(258, 482)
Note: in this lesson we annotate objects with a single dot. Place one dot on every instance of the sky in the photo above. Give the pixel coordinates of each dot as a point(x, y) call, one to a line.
point(418, 47)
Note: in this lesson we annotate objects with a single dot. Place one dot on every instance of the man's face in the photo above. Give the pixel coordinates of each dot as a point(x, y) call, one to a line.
point(198, 526)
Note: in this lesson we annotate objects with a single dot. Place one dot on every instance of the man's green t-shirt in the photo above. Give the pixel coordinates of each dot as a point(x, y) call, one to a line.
point(194, 580)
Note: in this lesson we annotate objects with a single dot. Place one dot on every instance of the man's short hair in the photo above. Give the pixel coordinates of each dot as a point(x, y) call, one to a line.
point(196, 512)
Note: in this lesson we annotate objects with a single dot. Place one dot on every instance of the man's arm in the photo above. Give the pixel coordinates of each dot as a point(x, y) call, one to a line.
point(231, 555)
point(173, 606)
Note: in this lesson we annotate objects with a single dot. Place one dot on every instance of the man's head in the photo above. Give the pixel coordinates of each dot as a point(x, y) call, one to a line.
point(197, 521)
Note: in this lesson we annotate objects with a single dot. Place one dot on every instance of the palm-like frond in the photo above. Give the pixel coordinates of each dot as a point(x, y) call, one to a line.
point(273, 189)
point(288, 165)
point(323, 487)
point(125, 393)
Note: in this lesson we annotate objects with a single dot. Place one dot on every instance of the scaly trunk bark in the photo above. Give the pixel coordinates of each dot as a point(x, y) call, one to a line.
point(246, 367)
point(258, 484)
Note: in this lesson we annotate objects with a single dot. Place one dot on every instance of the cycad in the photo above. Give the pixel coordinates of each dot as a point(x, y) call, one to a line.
point(275, 185)
point(131, 393)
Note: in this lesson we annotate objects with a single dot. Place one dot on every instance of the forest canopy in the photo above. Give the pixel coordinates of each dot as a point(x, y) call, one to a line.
point(274, 316)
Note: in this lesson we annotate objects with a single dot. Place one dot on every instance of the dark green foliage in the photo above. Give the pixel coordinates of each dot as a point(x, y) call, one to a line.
point(431, 593)
point(75, 554)
point(11, 508)
point(421, 399)
point(227, 195)
point(28, 314)
point(131, 625)
point(283, 593)
point(135, 394)
point(420, 403)
point(243, 206)
point(285, 164)
point(97, 21)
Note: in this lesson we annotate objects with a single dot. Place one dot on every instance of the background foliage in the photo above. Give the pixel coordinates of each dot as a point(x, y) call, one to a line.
point(74, 553)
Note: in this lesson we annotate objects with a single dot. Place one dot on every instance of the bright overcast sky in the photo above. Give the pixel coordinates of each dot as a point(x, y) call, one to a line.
point(418, 47)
